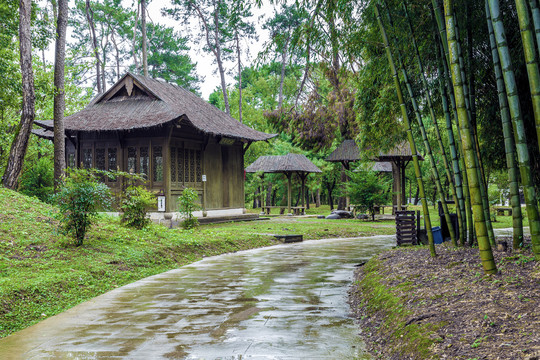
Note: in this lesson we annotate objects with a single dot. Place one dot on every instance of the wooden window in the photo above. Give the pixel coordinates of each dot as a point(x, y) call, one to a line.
point(186, 165)
point(100, 159)
point(180, 165)
point(87, 158)
point(191, 165)
point(143, 161)
point(132, 160)
point(198, 166)
point(71, 160)
point(112, 161)
point(157, 163)
point(173, 164)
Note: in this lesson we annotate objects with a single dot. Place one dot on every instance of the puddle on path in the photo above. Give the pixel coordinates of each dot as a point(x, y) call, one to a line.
point(283, 302)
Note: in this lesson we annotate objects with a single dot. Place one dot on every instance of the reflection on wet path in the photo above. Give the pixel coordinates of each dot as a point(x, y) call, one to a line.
point(283, 302)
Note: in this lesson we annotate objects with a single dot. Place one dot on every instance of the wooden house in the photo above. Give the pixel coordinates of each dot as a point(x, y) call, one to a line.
point(168, 134)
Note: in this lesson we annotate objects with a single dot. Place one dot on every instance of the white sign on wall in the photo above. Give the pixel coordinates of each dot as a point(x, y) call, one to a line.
point(161, 203)
point(204, 178)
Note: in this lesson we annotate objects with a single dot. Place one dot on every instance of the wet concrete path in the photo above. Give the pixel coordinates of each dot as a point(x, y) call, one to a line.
point(283, 302)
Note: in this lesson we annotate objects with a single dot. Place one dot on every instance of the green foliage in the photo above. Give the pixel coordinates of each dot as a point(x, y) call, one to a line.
point(37, 179)
point(80, 197)
point(136, 202)
point(187, 204)
point(367, 189)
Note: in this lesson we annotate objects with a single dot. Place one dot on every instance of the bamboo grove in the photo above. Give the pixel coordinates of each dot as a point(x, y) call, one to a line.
point(432, 48)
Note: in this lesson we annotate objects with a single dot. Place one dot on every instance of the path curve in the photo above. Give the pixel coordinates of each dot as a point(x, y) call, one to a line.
point(281, 302)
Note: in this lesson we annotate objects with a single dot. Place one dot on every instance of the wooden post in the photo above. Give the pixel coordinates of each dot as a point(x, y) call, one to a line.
point(289, 176)
point(303, 190)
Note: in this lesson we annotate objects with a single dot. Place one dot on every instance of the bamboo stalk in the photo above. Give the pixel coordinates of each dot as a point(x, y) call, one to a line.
point(438, 134)
point(531, 59)
point(518, 126)
point(486, 254)
point(410, 137)
point(461, 159)
point(509, 144)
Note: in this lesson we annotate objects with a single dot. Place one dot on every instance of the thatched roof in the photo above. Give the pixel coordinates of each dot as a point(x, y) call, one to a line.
point(400, 152)
point(138, 102)
point(381, 166)
point(283, 163)
point(43, 133)
point(346, 151)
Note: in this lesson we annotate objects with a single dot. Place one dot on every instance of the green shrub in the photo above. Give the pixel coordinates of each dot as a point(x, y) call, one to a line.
point(366, 189)
point(137, 200)
point(80, 197)
point(187, 204)
point(37, 179)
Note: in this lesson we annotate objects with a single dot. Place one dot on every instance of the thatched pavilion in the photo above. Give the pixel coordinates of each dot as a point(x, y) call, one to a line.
point(287, 164)
point(168, 134)
point(399, 157)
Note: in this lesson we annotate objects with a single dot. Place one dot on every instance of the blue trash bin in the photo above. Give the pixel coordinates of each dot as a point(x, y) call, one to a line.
point(437, 235)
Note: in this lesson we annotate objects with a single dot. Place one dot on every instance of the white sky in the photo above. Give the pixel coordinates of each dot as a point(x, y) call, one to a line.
point(206, 66)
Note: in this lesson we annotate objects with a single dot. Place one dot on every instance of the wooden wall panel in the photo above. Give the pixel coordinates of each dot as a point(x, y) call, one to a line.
point(214, 172)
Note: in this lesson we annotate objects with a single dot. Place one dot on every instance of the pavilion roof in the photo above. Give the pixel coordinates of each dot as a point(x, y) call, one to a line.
point(346, 151)
point(139, 102)
point(283, 163)
point(382, 166)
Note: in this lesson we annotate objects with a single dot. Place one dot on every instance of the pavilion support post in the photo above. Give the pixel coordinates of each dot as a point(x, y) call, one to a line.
point(289, 177)
point(396, 197)
point(403, 183)
point(303, 191)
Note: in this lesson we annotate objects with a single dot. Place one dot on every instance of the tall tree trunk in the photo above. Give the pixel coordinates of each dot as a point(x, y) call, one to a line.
point(239, 77)
point(117, 55)
point(531, 59)
point(90, 19)
point(143, 28)
point(59, 97)
point(410, 137)
point(509, 144)
point(486, 254)
point(318, 198)
point(20, 143)
point(282, 75)
point(217, 53)
point(517, 123)
point(342, 199)
point(133, 41)
point(330, 188)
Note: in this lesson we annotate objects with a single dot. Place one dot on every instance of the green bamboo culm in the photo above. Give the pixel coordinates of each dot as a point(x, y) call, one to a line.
point(486, 255)
point(410, 137)
point(427, 145)
point(518, 126)
point(461, 159)
point(531, 59)
point(509, 144)
point(536, 20)
point(448, 171)
point(460, 205)
point(439, 17)
point(472, 129)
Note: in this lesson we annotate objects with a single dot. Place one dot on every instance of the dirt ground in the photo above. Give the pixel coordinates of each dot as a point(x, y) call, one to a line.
point(476, 316)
